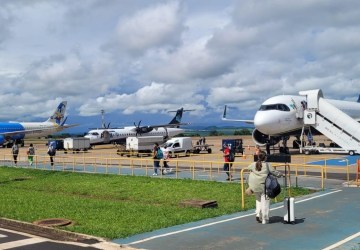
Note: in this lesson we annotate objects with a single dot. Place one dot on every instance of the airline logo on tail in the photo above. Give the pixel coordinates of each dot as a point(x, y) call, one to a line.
point(59, 114)
point(178, 117)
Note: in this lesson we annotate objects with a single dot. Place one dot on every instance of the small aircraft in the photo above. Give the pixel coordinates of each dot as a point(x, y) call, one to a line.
point(18, 131)
point(119, 135)
point(279, 117)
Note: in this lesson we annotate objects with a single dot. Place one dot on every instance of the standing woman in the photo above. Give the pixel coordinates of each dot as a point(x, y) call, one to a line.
point(259, 171)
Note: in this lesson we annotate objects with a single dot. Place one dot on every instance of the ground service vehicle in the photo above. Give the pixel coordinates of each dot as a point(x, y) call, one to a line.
point(327, 150)
point(178, 145)
point(236, 145)
point(76, 144)
point(140, 145)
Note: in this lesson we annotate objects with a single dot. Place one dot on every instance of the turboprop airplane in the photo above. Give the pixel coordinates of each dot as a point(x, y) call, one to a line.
point(119, 135)
point(11, 131)
point(280, 117)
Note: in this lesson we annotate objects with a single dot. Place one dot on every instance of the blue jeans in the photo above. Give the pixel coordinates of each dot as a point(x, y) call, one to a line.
point(227, 166)
point(156, 165)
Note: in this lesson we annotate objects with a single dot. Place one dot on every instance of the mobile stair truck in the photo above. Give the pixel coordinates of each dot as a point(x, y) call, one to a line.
point(76, 144)
point(142, 145)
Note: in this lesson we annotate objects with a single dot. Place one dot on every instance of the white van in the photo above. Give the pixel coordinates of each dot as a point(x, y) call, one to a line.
point(178, 145)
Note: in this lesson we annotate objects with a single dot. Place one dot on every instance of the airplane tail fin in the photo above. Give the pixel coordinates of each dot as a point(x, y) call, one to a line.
point(224, 114)
point(358, 99)
point(178, 116)
point(58, 116)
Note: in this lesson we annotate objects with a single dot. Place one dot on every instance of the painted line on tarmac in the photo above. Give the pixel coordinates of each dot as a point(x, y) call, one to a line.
point(337, 244)
point(2, 236)
point(20, 243)
point(222, 221)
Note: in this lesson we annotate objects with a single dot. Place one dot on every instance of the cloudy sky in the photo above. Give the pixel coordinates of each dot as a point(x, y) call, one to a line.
point(136, 59)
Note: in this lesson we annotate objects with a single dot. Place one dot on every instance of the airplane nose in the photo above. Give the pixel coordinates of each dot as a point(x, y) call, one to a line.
point(265, 122)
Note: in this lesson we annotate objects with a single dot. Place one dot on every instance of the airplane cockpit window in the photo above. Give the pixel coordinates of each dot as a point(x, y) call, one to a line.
point(94, 133)
point(280, 107)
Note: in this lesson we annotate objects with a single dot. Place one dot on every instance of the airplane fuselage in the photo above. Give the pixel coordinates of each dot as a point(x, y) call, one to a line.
point(39, 129)
point(105, 136)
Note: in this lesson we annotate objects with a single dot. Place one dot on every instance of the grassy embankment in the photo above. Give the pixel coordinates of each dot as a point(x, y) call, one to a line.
point(112, 206)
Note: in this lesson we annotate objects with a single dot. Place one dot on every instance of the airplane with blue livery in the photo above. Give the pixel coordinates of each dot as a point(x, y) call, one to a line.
point(18, 131)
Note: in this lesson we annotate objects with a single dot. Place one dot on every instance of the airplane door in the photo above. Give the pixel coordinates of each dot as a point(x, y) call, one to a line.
point(105, 136)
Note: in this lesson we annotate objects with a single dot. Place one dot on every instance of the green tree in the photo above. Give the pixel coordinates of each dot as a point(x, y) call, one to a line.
point(242, 132)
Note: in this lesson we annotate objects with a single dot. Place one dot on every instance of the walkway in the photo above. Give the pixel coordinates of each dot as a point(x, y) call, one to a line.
point(322, 220)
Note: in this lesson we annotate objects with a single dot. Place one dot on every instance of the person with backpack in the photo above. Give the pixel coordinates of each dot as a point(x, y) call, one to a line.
point(259, 172)
point(15, 152)
point(157, 156)
point(52, 152)
point(31, 152)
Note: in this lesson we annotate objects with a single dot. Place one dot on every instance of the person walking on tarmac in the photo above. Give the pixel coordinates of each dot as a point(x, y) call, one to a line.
point(52, 152)
point(227, 161)
point(31, 152)
point(259, 171)
point(15, 151)
point(166, 157)
point(157, 156)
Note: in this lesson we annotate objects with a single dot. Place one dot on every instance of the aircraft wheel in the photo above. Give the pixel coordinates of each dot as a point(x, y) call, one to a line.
point(209, 150)
point(351, 152)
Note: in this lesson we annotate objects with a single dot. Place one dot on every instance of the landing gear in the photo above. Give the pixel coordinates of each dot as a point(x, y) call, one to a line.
point(284, 149)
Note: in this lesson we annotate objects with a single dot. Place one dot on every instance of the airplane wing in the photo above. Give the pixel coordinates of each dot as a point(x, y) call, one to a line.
point(235, 120)
point(168, 125)
point(23, 132)
point(69, 125)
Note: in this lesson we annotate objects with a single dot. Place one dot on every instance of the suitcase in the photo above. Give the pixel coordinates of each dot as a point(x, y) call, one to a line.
point(289, 204)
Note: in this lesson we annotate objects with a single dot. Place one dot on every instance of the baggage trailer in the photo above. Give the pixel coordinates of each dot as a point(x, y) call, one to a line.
point(76, 144)
point(140, 145)
point(236, 145)
point(202, 147)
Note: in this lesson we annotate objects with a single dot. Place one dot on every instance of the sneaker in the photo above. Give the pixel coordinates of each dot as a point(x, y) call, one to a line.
point(154, 173)
point(265, 222)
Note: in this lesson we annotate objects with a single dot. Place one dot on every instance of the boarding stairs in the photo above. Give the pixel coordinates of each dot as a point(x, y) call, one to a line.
point(331, 121)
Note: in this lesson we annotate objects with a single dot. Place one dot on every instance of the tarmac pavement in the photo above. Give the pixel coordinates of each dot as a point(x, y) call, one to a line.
point(324, 220)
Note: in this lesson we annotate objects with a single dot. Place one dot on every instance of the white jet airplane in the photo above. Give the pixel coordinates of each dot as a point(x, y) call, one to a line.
point(279, 117)
point(119, 135)
point(11, 131)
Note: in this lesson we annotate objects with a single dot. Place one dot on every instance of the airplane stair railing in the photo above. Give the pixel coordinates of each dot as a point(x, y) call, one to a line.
point(334, 124)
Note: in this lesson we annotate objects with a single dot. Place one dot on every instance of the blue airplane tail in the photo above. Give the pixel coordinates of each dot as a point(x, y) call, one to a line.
point(178, 117)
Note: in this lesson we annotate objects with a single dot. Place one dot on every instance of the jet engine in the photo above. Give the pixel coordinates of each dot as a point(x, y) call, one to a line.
point(261, 139)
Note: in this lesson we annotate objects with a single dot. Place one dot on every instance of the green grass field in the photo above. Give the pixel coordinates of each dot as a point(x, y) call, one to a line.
point(112, 206)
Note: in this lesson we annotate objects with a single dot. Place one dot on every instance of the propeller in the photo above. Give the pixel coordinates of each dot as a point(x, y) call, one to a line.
point(142, 129)
point(106, 126)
